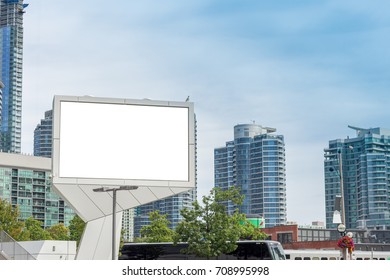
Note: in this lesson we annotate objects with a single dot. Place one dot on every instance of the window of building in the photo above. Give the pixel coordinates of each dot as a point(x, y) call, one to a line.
point(285, 237)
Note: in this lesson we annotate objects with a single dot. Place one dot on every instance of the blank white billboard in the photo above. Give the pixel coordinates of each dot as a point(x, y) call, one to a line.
point(120, 139)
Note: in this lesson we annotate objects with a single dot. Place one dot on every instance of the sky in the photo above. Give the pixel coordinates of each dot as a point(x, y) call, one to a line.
point(307, 68)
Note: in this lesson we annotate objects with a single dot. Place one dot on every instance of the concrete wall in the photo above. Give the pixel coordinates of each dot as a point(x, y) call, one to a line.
point(50, 249)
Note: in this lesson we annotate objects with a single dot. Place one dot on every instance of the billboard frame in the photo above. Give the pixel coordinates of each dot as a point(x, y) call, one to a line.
point(56, 168)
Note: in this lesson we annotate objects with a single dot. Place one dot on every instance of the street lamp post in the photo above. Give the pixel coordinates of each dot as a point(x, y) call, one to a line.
point(342, 227)
point(341, 187)
point(114, 190)
point(342, 205)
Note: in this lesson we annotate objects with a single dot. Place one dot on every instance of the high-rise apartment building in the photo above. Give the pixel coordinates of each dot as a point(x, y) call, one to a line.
point(365, 174)
point(11, 53)
point(255, 162)
point(25, 181)
point(43, 136)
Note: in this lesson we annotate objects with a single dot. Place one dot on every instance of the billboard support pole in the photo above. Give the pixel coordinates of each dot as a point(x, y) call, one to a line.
point(113, 224)
point(114, 190)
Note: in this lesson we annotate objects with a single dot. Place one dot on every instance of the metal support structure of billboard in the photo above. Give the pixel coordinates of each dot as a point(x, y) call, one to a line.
point(114, 190)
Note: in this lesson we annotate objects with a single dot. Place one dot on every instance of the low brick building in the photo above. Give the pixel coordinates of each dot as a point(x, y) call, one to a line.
point(314, 237)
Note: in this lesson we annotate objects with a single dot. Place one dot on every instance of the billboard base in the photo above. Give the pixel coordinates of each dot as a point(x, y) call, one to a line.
point(96, 242)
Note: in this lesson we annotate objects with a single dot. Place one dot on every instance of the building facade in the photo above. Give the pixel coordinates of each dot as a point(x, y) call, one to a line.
point(1, 102)
point(11, 39)
point(25, 181)
point(255, 162)
point(128, 225)
point(364, 162)
point(43, 136)
point(308, 237)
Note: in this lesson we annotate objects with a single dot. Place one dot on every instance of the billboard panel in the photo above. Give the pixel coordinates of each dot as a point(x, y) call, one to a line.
point(123, 142)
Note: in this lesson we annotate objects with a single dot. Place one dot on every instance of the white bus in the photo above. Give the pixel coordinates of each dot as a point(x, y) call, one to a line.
point(329, 254)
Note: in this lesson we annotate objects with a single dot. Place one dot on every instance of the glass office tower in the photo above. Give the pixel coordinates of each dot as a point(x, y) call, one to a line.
point(255, 162)
point(11, 38)
point(365, 166)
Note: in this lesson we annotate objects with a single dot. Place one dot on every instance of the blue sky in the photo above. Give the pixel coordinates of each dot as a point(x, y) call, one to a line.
point(307, 68)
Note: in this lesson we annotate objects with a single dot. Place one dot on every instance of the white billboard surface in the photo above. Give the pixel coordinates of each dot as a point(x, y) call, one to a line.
point(107, 142)
point(117, 141)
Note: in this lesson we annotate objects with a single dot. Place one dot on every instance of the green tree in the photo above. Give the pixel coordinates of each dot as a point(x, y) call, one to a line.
point(33, 230)
point(207, 228)
point(76, 229)
point(58, 232)
point(250, 232)
point(158, 230)
point(9, 219)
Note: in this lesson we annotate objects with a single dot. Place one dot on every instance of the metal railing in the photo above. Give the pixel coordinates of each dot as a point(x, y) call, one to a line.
point(11, 249)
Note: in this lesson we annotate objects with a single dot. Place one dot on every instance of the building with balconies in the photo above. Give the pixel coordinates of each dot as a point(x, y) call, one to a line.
point(11, 68)
point(255, 162)
point(364, 162)
point(25, 181)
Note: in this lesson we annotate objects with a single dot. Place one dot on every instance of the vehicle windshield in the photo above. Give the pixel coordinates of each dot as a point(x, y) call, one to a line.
point(277, 251)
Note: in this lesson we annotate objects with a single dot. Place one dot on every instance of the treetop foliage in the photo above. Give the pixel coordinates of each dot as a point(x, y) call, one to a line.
point(209, 229)
point(158, 230)
point(32, 229)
